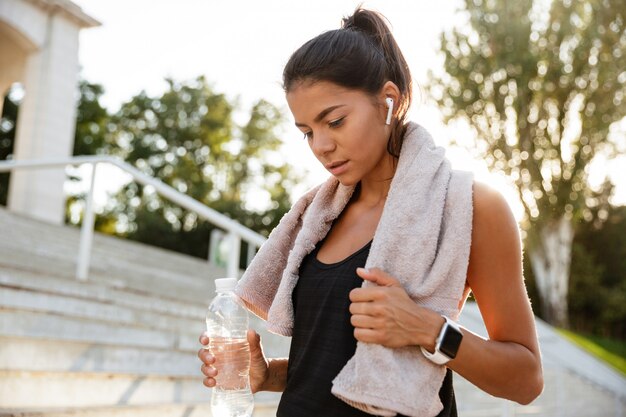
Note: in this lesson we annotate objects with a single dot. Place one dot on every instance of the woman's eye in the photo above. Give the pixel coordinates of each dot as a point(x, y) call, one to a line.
point(308, 135)
point(336, 123)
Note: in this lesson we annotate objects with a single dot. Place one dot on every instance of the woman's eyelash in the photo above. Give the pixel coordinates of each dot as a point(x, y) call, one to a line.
point(333, 124)
point(336, 122)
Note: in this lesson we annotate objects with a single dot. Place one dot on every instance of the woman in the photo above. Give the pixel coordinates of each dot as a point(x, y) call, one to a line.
point(369, 271)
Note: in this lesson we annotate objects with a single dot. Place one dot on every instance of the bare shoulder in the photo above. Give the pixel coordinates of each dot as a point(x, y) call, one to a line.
point(493, 222)
point(491, 208)
point(495, 254)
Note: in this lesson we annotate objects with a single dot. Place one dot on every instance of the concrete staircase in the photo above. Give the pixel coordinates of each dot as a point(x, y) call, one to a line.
point(124, 343)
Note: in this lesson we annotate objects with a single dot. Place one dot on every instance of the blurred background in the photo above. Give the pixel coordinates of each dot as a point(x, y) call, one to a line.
point(162, 126)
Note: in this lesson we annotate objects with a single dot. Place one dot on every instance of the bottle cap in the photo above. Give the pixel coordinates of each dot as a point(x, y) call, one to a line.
point(225, 284)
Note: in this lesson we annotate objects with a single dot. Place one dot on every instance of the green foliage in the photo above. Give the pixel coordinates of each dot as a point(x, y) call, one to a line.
point(597, 298)
point(7, 139)
point(91, 137)
point(187, 138)
point(597, 285)
point(540, 83)
point(92, 121)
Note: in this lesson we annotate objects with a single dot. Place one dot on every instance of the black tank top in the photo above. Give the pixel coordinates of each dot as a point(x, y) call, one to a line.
point(323, 340)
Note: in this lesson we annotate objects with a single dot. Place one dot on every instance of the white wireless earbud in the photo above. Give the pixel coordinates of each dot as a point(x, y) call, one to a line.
point(389, 101)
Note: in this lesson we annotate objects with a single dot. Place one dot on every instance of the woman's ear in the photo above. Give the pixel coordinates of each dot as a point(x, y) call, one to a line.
point(389, 96)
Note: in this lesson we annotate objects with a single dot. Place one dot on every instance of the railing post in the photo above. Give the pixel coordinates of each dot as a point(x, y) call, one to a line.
point(215, 242)
point(236, 230)
point(86, 231)
point(233, 255)
point(251, 253)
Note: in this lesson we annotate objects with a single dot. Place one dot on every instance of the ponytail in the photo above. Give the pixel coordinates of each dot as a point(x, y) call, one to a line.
point(362, 55)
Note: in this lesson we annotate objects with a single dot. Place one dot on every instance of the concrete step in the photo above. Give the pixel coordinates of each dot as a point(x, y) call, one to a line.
point(46, 325)
point(141, 274)
point(22, 299)
point(70, 304)
point(63, 240)
point(111, 255)
point(132, 279)
point(38, 325)
point(51, 355)
point(98, 291)
point(41, 389)
point(81, 389)
point(167, 410)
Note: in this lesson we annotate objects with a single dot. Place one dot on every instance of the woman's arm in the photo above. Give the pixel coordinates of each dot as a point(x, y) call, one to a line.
point(506, 365)
point(509, 363)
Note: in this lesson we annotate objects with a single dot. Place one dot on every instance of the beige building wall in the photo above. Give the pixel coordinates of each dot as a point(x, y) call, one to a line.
point(39, 46)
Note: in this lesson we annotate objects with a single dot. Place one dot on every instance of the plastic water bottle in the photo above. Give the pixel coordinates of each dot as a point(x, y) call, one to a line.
point(227, 325)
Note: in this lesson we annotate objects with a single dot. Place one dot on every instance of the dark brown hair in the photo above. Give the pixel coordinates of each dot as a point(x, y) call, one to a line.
point(362, 55)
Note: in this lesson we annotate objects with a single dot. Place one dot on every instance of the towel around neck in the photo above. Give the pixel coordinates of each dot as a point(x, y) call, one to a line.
point(422, 239)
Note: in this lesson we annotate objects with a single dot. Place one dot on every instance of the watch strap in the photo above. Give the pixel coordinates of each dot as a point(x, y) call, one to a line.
point(438, 357)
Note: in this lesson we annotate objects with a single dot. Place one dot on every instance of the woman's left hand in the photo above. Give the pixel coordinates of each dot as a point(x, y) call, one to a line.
point(387, 316)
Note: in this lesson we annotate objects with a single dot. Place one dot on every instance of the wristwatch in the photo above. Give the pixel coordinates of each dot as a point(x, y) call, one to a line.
point(447, 343)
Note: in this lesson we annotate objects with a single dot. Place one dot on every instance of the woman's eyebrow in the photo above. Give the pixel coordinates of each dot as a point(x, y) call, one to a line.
point(322, 114)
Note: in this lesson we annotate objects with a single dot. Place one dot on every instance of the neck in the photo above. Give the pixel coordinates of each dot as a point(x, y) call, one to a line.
point(372, 191)
point(373, 195)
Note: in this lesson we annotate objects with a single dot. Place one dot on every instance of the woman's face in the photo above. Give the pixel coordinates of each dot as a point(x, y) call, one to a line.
point(345, 129)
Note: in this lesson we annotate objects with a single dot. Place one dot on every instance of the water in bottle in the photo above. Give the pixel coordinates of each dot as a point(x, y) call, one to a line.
point(227, 325)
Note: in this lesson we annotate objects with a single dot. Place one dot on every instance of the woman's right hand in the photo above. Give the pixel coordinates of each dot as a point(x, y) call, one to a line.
point(259, 365)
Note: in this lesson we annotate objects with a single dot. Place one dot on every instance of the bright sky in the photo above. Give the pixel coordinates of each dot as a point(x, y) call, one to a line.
point(241, 47)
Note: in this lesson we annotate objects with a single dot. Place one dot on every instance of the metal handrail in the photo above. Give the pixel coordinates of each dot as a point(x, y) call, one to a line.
point(236, 231)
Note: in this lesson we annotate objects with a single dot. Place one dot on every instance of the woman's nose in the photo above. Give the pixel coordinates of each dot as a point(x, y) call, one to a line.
point(322, 143)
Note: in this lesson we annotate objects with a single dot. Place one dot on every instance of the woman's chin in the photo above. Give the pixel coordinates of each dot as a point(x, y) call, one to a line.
point(346, 181)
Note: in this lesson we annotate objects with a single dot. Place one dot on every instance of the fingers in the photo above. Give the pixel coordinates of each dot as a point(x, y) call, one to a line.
point(254, 339)
point(256, 350)
point(209, 371)
point(383, 282)
point(364, 322)
point(209, 382)
point(378, 276)
point(366, 308)
point(366, 335)
point(206, 357)
point(208, 360)
point(364, 295)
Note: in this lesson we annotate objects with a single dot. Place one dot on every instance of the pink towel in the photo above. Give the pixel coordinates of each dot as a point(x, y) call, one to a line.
point(423, 239)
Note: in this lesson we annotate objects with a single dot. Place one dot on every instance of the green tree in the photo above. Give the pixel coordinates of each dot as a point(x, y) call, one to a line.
point(187, 138)
point(92, 136)
point(597, 299)
point(540, 83)
point(93, 122)
point(8, 120)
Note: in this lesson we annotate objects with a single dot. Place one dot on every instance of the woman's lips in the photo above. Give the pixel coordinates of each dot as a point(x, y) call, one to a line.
point(337, 168)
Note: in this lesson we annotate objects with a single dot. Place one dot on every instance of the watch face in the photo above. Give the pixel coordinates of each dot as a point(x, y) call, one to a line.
point(450, 341)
